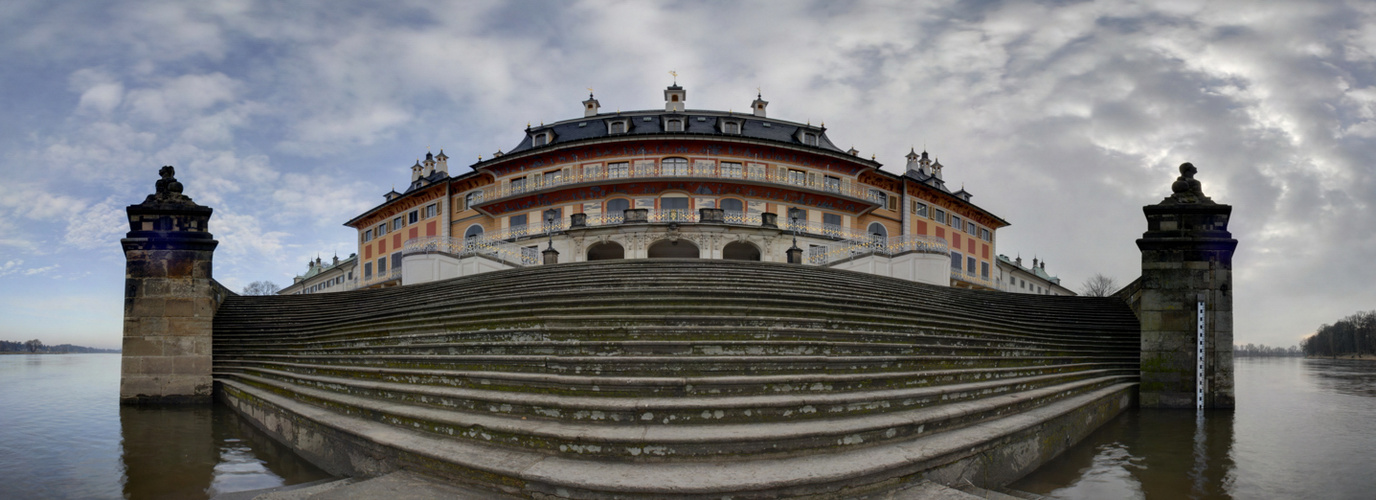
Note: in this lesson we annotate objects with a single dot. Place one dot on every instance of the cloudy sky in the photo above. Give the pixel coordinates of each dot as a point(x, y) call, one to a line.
point(1062, 117)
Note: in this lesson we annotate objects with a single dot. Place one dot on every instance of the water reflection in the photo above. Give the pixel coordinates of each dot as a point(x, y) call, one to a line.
point(1302, 429)
point(199, 452)
point(63, 435)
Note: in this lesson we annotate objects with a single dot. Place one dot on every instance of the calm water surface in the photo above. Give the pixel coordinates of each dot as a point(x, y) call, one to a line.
point(63, 434)
point(1302, 429)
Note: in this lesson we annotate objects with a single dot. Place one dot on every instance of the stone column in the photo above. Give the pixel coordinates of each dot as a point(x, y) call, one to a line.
point(1187, 258)
point(169, 299)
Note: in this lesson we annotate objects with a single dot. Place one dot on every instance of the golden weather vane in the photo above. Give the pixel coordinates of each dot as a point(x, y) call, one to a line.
point(675, 73)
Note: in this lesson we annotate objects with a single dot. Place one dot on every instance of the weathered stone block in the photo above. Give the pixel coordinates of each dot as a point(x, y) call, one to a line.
point(149, 307)
point(179, 308)
point(142, 346)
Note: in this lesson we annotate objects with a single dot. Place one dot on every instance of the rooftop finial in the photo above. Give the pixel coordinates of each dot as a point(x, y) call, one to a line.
point(589, 92)
point(675, 73)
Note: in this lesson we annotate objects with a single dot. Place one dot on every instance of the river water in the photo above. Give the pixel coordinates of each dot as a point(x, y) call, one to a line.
point(63, 434)
point(1302, 429)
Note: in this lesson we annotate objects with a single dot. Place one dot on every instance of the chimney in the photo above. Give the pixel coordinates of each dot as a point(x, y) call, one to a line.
point(442, 163)
point(416, 171)
point(429, 164)
point(912, 161)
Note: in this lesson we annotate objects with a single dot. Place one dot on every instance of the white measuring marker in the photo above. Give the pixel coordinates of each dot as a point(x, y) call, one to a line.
point(1199, 362)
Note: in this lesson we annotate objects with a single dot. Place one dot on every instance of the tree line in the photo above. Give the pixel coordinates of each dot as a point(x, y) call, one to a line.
point(1353, 335)
point(36, 346)
point(1265, 351)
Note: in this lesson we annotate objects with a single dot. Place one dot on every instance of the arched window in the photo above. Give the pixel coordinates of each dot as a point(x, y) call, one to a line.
point(675, 125)
point(617, 207)
point(665, 249)
point(878, 231)
point(474, 231)
point(674, 208)
point(739, 250)
point(732, 205)
point(606, 251)
point(674, 166)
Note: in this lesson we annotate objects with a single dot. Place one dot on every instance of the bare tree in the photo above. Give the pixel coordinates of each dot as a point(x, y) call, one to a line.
point(260, 288)
point(1099, 286)
point(33, 345)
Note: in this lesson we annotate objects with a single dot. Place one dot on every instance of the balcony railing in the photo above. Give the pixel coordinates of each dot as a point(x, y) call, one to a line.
point(816, 183)
point(505, 252)
point(971, 278)
point(832, 231)
point(875, 245)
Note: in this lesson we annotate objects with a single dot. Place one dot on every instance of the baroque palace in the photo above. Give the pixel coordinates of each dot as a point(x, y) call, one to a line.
point(673, 183)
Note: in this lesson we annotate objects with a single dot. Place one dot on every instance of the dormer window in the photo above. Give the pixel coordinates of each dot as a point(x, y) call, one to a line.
point(809, 139)
point(541, 139)
point(730, 127)
point(618, 126)
point(674, 125)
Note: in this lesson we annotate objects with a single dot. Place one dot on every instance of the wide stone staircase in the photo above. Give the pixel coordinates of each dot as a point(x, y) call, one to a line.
point(687, 378)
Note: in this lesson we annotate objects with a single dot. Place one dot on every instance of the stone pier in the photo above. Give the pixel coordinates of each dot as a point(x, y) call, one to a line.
point(1187, 260)
point(169, 299)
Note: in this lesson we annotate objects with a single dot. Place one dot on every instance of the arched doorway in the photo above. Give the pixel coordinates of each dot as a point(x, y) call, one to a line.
point(740, 250)
point(610, 250)
point(665, 249)
point(474, 231)
point(878, 230)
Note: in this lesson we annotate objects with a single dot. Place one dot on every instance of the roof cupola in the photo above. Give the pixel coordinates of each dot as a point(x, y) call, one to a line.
point(674, 96)
point(759, 104)
point(591, 105)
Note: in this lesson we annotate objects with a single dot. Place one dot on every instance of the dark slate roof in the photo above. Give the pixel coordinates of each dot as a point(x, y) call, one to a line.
point(699, 122)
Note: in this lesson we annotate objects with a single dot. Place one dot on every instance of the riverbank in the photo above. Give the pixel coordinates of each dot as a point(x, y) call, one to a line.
point(1361, 357)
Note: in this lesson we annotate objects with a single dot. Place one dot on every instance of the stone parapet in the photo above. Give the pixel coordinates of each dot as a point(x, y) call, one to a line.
point(170, 299)
point(1187, 260)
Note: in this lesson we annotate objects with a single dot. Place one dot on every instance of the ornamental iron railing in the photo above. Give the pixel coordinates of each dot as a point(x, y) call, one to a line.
point(823, 255)
point(780, 176)
point(462, 247)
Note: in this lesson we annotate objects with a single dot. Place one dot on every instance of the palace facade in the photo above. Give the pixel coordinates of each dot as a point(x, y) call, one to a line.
point(677, 183)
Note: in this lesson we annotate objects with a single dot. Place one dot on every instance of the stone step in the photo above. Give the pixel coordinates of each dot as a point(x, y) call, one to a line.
point(642, 440)
point(669, 409)
point(681, 365)
point(625, 386)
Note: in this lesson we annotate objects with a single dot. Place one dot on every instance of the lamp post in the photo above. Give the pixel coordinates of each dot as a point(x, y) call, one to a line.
point(550, 254)
point(795, 254)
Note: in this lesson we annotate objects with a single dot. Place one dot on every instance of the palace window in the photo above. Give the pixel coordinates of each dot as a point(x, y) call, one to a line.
point(618, 170)
point(955, 222)
point(473, 231)
point(831, 184)
point(471, 199)
point(970, 228)
point(731, 169)
point(552, 177)
point(396, 261)
point(956, 260)
point(381, 265)
point(517, 221)
point(368, 235)
point(617, 128)
point(413, 217)
point(731, 127)
point(879, 197)
point(397, 224)
point(985, 235)
point(674, 125)
point(920, 209)
point(732, 205)
point(939, 215)
point(797, 214)
point(431, 210)
point(554, 217)
point(810, 139)
point(381, 229)
point(984, 270)
point(797, 177)
point(617, 207)
point(539, 139)
point(518, 185)
point(674, 166)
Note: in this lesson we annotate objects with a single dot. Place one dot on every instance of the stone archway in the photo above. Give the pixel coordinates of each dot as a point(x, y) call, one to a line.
point(740, 250)
point(610, 250)
point(665, 249)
